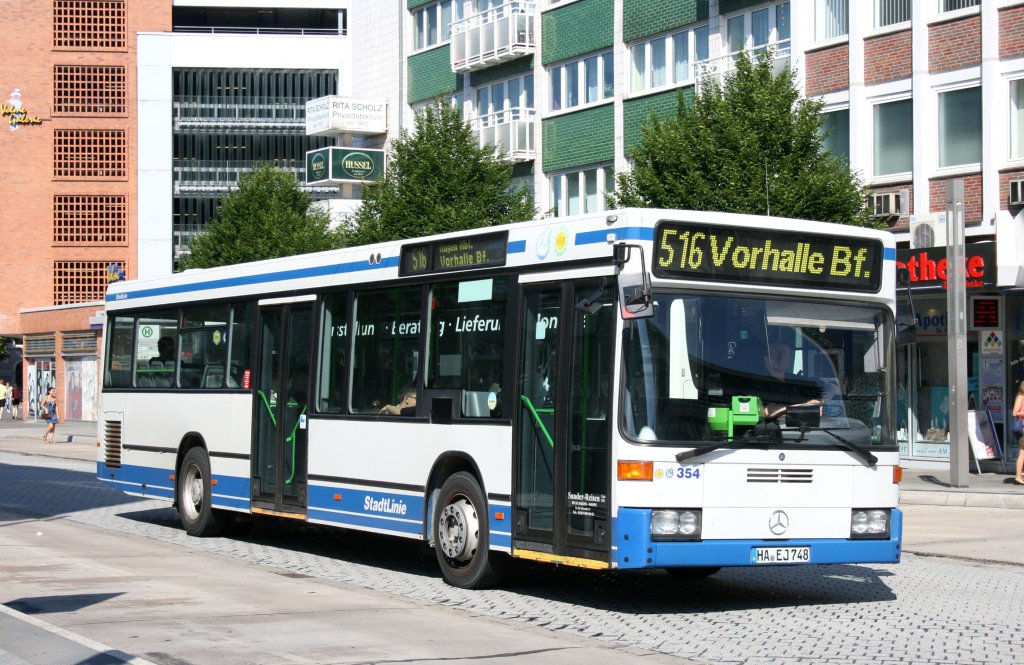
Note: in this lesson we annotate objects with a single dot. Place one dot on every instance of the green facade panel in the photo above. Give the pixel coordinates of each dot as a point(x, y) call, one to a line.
point(505, 70)
point(641, 18)
point(413, 4)
point(635, 112)
point(431, 75)
point(576, 29)
point(730, 6)
point(578, 139)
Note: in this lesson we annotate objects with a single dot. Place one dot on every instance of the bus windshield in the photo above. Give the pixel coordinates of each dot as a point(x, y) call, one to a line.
point(713, 369)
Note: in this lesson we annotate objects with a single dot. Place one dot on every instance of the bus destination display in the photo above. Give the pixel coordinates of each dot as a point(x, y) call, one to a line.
point(767, 256)
point(483, 251)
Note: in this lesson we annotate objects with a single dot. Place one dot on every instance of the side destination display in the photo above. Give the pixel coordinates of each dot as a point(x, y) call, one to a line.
point(767, 256)
point(483, 251)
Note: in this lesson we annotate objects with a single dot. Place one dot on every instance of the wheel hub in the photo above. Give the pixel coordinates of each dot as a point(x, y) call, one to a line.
point(459, 531)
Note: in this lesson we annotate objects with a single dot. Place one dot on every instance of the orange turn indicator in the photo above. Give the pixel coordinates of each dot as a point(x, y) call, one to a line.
point(633, 470)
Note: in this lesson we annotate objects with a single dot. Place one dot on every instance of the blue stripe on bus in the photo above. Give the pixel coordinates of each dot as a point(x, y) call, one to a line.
point(635, 549)
point(889, 254)
point(229, 491)
point(514, 247)
point(262, 278)
point(625, 233)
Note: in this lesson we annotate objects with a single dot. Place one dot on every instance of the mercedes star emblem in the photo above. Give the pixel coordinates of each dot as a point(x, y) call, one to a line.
point(778, 522)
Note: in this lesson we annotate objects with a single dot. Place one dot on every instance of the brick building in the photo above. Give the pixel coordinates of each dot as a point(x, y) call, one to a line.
point(917, 93)
point(68, 181)
point(125, 123)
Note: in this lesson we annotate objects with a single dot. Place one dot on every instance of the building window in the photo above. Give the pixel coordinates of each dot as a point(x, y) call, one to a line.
point(960, 127)
point(578, 192)
point(835, 129)
point(953, 5)
point(831, 19)
point(894, 137)
point(756, 30)
point(510, 97)
point(432, 25)
point(90, 25)
point(1017, 119)
point(891, 12)
point(81, 281)
point(667, 60)
point(585, 81)
point(90, 220)
point(93, 154)
point(89, 90)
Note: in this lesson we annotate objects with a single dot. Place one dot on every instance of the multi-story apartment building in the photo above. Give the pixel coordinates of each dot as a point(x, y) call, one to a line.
point(125, 122)
point(917, 93)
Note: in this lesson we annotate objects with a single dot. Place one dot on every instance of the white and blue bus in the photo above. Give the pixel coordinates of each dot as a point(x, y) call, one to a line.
point(633, 389)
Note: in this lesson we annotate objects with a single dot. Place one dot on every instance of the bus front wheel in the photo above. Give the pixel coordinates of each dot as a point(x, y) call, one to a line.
point(461, 537)
point(195, 505)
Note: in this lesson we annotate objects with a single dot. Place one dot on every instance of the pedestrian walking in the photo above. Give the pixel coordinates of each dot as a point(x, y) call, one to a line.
point(48, 412)
point(15, 394)
point(5, 394)
point(1018, 430)
point(8, 404)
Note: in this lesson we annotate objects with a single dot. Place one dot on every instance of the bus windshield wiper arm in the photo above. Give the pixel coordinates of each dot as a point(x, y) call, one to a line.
point(850, 445)
point(701, 450)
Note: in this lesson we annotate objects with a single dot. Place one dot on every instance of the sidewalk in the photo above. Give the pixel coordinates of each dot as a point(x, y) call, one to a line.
point(76, 439)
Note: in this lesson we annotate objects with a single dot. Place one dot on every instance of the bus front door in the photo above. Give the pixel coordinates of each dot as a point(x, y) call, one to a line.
point(280, 409)
point(563, 423)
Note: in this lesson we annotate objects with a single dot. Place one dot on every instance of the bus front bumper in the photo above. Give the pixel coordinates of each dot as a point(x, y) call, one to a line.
point(636, 549)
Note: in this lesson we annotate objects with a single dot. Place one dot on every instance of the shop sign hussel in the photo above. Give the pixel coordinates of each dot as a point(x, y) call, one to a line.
point(340, 115)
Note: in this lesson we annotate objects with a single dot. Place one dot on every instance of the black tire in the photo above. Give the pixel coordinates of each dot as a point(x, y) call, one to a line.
point(693, 572)
point(195, 496)
point(461, 537)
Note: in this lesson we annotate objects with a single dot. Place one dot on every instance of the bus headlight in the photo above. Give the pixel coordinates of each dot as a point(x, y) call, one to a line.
point(678, 524)
point(865, 523)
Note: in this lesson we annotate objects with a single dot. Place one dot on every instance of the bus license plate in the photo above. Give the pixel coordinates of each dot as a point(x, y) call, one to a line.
point(780, 555)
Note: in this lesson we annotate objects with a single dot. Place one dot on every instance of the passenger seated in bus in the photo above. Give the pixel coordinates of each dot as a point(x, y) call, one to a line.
point(166, 348)
point(406, 404)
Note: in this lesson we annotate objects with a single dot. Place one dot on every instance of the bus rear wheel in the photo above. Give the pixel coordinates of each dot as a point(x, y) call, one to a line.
point(461, 537)
point(195, 496)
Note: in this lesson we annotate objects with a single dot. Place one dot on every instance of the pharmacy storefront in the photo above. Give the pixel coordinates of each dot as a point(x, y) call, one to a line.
point(995, 334)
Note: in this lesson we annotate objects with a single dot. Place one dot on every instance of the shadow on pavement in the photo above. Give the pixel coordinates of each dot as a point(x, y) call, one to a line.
point(51, 604)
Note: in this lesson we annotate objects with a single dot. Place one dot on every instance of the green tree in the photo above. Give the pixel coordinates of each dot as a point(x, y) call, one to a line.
point(266, 217)
point(751, 144)
point(439, 179)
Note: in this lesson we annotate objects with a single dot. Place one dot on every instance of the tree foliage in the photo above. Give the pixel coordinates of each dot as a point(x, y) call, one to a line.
point(750, 145)
point(266, 217)
point(439, 179)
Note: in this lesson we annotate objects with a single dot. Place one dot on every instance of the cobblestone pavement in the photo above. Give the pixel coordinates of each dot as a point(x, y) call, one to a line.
point(925, 610)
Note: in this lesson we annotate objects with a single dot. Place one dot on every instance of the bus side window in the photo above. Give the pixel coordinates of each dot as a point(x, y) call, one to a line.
point(385, 354)
point(119, 352)
point(334, 343)
point(466, 343)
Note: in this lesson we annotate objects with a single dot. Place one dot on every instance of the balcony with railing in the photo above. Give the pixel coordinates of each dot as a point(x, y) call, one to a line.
point(510, 130)
point(496, 35)
point(717, 68)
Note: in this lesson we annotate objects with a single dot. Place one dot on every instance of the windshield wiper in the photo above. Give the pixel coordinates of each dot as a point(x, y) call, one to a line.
point(861, 451)
point(846, 443)
point(703, 450)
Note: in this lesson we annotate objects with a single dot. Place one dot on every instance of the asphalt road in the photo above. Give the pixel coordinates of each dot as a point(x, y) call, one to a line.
point(120, 573)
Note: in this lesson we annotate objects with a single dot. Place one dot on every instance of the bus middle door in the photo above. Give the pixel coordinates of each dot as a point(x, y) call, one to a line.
point(280, 408)
point(562, 438)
